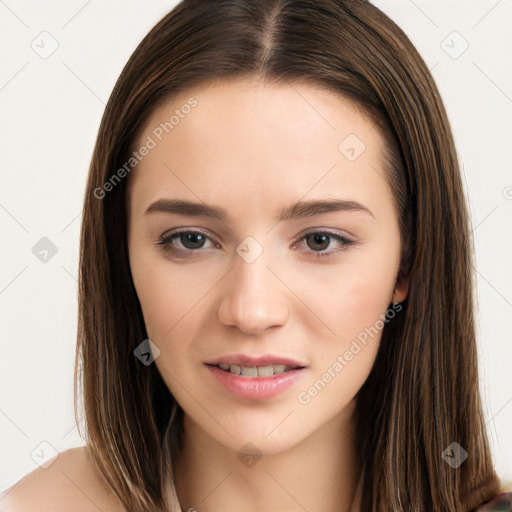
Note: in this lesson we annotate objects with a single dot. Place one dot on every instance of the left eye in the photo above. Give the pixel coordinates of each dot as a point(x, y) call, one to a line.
point(190, 241)
point(318, 241)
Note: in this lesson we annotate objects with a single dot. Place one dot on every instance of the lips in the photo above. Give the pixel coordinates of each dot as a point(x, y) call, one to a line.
point(256, 377)
point(255, 388)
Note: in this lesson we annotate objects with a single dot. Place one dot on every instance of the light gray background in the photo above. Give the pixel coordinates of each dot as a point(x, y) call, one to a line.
point(50, 112)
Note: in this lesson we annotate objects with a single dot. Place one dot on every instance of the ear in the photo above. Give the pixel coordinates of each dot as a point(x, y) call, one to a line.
point(401, 289)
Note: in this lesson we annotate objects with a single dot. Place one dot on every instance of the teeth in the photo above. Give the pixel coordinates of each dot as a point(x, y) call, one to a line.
point(235, 368)
point(255, 371)
point(265, 371)
point(249, 371)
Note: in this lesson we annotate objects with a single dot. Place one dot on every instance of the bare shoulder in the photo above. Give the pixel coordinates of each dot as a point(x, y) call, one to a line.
point(68, 483)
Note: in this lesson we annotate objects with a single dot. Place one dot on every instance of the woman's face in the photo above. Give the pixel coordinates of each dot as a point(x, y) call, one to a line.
point(282, 268)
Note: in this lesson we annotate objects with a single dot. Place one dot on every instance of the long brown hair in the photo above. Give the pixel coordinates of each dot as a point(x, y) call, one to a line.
point(422, 394)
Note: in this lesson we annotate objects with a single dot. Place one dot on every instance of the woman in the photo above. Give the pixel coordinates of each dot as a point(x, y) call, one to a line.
point(276, 292)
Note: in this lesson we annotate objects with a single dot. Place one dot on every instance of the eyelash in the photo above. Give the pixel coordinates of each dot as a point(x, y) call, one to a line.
point(167, 238)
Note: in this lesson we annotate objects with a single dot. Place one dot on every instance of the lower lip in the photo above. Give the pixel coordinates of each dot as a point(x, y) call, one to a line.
point(255, 388)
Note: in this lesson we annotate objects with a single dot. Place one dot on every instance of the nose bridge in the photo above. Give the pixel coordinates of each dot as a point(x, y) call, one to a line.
point(254, 299)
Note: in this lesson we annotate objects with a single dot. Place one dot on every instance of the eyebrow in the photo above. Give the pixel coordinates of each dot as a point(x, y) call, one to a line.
point(297, 210)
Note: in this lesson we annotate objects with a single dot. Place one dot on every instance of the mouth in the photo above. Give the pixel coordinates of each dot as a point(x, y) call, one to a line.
point(266, 365)
point(256, 377)
point(256, 371)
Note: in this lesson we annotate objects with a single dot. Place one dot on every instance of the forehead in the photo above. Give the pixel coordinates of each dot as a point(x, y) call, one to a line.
point(243, 138)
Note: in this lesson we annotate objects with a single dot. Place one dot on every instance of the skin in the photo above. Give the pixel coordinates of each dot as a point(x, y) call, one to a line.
point(69, 482)
point(254, 149)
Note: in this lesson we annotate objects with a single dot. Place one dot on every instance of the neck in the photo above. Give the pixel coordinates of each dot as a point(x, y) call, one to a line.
point(319, 473)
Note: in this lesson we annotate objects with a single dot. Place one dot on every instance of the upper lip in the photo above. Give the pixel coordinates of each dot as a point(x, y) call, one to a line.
point(256, 360)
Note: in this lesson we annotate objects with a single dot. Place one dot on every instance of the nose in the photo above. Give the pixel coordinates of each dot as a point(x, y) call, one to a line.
point(253, 298)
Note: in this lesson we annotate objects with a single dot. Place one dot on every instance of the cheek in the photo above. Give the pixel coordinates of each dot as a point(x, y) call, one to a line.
point(353, 302)
point(351, 296)
point(364, 294)
point(170, 296)
point(157, 291)
point(342, 362)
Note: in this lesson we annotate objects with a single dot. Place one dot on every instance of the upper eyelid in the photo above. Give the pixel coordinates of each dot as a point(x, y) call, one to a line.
point(328, 231)
point(179, 231)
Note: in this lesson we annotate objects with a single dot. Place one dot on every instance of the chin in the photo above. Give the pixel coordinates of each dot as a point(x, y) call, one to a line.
point(270, 433)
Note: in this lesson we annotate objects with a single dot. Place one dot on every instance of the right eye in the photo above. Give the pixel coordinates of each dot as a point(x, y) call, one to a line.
point(184, 242)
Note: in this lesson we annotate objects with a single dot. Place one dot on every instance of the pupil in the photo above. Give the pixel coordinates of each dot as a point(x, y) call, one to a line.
point(196, 239)
point(319, 239)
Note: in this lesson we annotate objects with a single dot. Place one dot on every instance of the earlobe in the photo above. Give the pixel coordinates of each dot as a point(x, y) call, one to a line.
point(400, 291)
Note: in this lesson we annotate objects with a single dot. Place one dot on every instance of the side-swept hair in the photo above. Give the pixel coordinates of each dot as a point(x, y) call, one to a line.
point(422, 393)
